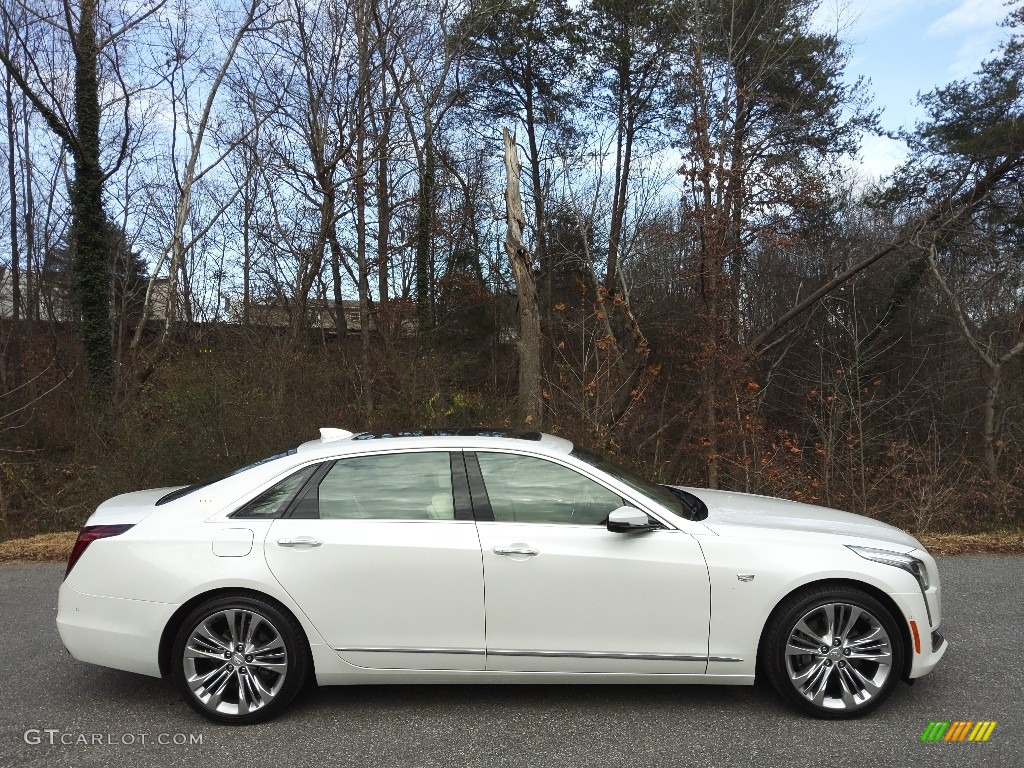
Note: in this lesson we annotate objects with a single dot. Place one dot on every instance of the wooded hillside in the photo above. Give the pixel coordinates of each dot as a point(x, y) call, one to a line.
point(228, 224)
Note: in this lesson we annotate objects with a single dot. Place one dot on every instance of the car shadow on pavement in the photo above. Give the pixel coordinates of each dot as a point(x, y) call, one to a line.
point(586, 700)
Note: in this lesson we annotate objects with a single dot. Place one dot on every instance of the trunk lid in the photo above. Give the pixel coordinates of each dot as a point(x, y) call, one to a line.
point(128, 508)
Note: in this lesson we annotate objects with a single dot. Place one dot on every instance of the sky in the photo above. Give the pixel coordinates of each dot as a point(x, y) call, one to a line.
point(906, 47)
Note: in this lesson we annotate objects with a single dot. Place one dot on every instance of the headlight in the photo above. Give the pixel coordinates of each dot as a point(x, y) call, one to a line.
point(908, 563)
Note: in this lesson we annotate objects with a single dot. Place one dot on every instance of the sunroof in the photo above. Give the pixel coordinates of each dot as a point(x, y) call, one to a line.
point(461, 432)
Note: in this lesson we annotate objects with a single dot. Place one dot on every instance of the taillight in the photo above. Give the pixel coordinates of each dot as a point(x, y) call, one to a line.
point(88, 535)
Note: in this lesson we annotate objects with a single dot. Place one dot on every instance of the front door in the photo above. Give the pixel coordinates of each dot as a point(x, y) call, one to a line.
point(564, 594)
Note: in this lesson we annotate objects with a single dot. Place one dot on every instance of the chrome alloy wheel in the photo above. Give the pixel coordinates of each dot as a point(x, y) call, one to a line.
point(839, 656)
point(235, 662)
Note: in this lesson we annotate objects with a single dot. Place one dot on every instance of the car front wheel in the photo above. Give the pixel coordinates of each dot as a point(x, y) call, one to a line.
point(834, 652)
point(239, 660)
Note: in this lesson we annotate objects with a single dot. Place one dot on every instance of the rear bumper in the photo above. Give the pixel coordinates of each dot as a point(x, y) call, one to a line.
point(113, 632)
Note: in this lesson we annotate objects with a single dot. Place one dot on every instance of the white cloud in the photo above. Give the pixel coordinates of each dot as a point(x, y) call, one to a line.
point(969, 55)
point(879, 156)
point(845, 17)
point(974, 28)
point(969, 14)
point(853, 22)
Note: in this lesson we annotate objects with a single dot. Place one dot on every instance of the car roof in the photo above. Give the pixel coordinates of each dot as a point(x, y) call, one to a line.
point(339, 441)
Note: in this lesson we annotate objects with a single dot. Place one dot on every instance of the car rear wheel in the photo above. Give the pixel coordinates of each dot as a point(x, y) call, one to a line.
point(834, 652)
point(239, 660)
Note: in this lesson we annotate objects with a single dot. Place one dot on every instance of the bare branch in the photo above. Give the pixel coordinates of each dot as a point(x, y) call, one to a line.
point(57, 125)
point(958, 311)
point(942, 217)
point(129, 25)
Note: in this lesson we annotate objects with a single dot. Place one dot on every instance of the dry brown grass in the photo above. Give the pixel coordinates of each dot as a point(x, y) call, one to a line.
point(1000, 543)
point(45, 547)
point(57, 546)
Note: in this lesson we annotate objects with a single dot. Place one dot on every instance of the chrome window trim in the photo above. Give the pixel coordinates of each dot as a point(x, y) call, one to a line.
point(628, 656)
point(398, 649)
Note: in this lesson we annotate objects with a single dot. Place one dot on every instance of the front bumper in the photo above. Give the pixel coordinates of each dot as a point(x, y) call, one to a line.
point(933, 648)
point(113, 632)
point(933, 645)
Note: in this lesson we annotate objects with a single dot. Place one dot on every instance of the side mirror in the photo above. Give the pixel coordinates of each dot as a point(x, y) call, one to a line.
point(629, 520)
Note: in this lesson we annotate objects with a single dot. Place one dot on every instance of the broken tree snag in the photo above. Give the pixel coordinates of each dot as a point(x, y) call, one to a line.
point(521, 259)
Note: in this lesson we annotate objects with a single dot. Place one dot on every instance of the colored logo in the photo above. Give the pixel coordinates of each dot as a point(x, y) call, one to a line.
point(959, 730)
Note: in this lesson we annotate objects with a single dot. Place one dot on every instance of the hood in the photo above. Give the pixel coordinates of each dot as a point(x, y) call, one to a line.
point(128, 508)
point(728, 511)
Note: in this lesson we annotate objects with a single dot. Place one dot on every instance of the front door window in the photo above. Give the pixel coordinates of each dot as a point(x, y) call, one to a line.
point(525, 489)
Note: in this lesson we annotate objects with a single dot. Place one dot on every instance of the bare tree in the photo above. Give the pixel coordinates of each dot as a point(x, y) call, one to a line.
point(526, 290)
point(92, 39)
point(319, 110)
point(993, 355)
point(195, 129)
point(13, 145)
point(425, 68)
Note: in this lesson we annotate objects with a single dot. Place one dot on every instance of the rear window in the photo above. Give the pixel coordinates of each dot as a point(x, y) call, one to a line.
point(182, 492)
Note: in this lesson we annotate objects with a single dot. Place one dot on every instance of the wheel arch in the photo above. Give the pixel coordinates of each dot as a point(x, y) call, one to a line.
point(898, 616)
point(174, 623)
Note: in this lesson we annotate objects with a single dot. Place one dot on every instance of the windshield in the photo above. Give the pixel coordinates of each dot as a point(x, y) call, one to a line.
point(680, 502)
point(181, 492)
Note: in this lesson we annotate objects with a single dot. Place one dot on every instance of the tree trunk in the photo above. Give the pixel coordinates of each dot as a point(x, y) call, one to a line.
point(624, 134)
point(12, 178)
point(362, 111)
point(383, 227)
point(990, 429)
point(88, 221)
point(340, 321)
point(526, 291)
point(31, 298)
point(364, 275)
point(540, 225)
point(424, 220)
point(383, 200)
point(247, 212)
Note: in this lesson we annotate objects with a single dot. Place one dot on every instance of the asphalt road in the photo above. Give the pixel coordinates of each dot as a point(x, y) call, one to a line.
point(46, 697)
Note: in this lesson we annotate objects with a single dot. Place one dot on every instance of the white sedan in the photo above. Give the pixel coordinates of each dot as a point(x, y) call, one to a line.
point(488, 556)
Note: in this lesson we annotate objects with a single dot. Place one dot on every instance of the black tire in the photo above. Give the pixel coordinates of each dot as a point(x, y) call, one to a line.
point(237, 685)
point(843, 674)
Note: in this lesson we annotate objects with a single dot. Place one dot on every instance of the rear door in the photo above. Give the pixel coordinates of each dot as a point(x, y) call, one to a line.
point(382, 555)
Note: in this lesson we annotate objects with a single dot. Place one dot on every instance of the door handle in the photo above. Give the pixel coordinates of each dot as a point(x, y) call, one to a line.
point(515, 551)
point(299, 541)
